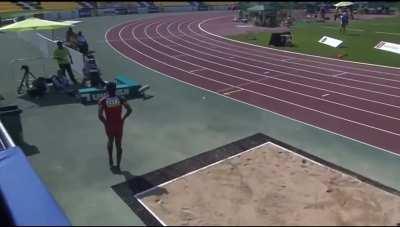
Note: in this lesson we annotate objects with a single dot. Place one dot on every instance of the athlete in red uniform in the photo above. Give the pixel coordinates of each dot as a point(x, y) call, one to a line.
point(113, 121)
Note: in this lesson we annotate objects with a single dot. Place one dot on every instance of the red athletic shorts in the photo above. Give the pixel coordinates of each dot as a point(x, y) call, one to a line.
point(114, 130)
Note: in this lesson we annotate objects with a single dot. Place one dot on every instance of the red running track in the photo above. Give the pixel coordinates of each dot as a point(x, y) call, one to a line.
point(358, 101)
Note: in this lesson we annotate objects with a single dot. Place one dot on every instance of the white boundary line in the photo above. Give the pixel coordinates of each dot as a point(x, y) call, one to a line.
point(286, 51)
point(337, 171)
point(137, 195)
point(242, 102)
point(149, 210)
point(202, 168)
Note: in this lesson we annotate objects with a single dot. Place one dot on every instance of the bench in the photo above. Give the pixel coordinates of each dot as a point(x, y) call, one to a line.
point(125, 87)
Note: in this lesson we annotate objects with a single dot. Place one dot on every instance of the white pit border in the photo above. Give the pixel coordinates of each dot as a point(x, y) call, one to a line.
point(241, 153)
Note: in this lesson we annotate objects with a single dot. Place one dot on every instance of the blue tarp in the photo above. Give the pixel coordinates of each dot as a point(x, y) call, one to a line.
point(25, 197)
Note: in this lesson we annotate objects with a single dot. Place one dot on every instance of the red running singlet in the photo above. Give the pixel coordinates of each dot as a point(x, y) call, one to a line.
point(113, 111)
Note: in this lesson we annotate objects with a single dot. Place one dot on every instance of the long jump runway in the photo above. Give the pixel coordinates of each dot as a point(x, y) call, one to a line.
point(357, 101)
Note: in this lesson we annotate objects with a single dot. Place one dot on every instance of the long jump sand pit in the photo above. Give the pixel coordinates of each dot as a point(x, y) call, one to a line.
point(270, 185)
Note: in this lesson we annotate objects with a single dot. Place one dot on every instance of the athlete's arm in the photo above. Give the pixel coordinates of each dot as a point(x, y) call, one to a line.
point(128, 109)
point(100, 114)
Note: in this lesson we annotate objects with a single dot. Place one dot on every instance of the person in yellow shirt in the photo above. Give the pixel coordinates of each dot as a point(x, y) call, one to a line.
point(64, 60)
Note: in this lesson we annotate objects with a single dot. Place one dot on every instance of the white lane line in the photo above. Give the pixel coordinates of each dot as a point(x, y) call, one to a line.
point(172, 45)
point(241, 85)
point(235, 99)
point(286, 66)
point(388, 33)
point(325, 95)
point(321, 74)
point(250, 91)
point(197, 70)
point(351, 107)
point(302, 77)
point(225, 89)
point(179, 55)
point(340, 74)
point(294, 53)
point(171, 34)
point(345, 94)
point(230, 92)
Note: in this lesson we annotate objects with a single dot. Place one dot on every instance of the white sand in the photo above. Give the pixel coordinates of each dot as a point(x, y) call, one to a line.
point(270, 186)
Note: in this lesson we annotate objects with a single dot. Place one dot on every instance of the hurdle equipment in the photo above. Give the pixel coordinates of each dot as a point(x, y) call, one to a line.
point(125, 87)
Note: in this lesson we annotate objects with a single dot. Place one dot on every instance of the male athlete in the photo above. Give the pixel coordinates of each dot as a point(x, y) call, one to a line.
point(113, 121)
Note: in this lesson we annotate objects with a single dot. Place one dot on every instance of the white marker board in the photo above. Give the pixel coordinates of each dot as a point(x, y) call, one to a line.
point(330, 41)
point(386, 46)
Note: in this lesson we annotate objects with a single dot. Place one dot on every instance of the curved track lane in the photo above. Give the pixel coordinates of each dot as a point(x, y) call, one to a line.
point(358, 101)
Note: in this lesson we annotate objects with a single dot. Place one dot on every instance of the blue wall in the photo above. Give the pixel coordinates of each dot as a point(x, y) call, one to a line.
point(25, 199)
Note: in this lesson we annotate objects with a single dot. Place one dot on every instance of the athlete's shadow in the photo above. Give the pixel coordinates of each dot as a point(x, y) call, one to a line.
point(128, 192)
point(138, 184)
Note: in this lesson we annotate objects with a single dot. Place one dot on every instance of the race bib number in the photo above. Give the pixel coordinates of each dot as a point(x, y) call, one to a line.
point(113, 102)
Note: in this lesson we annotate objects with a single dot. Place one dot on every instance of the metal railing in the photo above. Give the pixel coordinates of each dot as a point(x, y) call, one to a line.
point(5, 139)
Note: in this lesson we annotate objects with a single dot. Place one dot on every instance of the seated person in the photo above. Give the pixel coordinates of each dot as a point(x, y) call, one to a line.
point(60, 81)
point(82, 43)
point(92, 73)
point(38, 89)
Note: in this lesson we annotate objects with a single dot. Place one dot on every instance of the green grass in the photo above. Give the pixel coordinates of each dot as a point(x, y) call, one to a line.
point(358, 45)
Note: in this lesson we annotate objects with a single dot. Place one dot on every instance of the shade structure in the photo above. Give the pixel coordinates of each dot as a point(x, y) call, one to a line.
point(34, 24)
point(344, 4)
point(72, 22)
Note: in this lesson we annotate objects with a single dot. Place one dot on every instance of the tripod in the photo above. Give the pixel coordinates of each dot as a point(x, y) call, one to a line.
point(25, 79)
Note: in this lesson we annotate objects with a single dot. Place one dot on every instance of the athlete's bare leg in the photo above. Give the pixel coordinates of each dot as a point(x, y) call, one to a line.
point(118, 142)
point(110, 145)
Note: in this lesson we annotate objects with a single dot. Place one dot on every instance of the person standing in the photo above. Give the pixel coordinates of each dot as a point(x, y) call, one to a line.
point(336, 15)
point(64, 60)
point(113, 121)
point(82, 43)
point(322, 12)
point(344, 21)
point(71, 38)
